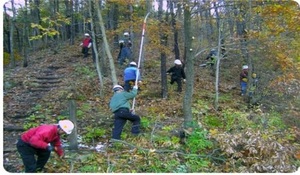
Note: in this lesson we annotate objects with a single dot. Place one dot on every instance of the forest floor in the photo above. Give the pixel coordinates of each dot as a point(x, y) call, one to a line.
point(52, 78)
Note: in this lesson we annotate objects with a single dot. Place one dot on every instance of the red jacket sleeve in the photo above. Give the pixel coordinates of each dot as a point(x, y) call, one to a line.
point(41, 136)
point(57, 144)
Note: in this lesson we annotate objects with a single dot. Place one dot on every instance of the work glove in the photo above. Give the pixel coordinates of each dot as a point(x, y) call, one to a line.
point(90, 44)
point(50, 148)
point(245, 80)
point(135, 87)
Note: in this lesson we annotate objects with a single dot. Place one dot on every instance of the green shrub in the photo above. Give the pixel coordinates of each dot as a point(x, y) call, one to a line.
point(79, 113)
point(275, 121)
point(89, 169)
point(31, 121)
point(212, 121)
point(196, 164)
point(93, 133)
point(198, 141)
point(6, 58)
point(145, 122)
point(85, 71)
point(86, 107)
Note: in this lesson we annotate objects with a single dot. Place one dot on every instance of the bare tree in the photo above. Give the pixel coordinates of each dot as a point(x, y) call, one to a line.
point(25, 37)
point(95, 48)
point(163, 56)
point(11, 36)
point(187, 102)
point(175, 30)
point(107, 49)
point(218, 57)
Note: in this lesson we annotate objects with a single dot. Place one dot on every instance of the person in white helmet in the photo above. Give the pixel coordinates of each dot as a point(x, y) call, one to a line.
point(126, 38)
point(130, 74)
point(177, 74)
point(40, 141)
point(125, 48)
point(244, 79)
point(120, 106)
point(86, 44)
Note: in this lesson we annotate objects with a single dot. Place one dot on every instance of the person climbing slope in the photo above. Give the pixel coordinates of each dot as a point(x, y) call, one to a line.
point(120, 106)
point(130, 74)
point(177, 74)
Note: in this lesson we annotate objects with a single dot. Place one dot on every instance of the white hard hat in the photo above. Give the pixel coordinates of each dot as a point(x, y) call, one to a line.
point(121, 41)
point(117, 87)
point(86, 34)
point(126, 33)
point(133, 63)
point(245, 67)
point(178, 62)
point(66, 125)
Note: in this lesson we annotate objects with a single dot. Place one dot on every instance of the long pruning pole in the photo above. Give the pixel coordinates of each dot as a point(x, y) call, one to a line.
point(140, 55)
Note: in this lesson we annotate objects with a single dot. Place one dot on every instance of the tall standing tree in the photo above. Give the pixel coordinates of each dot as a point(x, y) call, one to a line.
point(11, 35)
point(95, 50)
point(107, 49)
point(36, 19)
point(163, 56)
point(187, 102)
point(25, 36)
point(175, 30)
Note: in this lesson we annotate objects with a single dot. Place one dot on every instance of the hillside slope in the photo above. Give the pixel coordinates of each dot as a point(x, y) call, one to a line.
point(50, 78)
point(41, 93)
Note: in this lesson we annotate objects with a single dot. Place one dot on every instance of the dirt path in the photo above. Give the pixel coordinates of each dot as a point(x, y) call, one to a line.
point(24, 90)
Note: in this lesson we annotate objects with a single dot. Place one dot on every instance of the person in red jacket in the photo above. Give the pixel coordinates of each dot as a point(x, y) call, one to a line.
point(41, 141)
point(86, 44)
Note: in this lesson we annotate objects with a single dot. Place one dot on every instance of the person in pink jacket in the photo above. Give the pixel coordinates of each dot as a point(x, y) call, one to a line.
point(41, 141)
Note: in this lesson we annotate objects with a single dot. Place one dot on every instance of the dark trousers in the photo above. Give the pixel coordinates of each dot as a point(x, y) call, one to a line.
point(121, 116)
point(179, 83)
point(85, 51)
point(128, 85)
point(28, 153)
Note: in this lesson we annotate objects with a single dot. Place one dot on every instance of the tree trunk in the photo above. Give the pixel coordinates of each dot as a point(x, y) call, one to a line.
point(72, 42)
point(187, 102)
point(11, 37)
point(25, 38)
point(107, 49)
point(216, 102)
point(163, 57)
point(68, 13)
point(95, 48)
point(175, 31)
point(35, 16)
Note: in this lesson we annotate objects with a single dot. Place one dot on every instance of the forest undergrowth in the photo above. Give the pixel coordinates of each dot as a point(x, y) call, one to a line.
point(235, 138)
